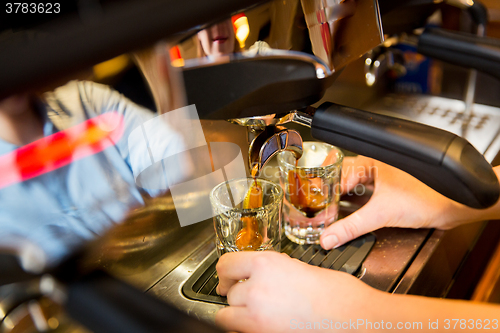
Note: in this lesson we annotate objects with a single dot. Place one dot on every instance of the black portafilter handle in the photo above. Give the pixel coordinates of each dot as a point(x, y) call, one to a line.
point(444, 161)
point(469, 51)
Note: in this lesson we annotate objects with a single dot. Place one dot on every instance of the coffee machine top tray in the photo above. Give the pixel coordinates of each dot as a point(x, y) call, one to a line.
point(348, 258)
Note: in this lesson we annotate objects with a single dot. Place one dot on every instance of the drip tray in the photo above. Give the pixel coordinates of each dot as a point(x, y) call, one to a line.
point(347, 258)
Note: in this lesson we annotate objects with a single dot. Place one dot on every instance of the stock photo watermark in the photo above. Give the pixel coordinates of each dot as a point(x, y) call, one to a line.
point(364, 324)
point(355, 324)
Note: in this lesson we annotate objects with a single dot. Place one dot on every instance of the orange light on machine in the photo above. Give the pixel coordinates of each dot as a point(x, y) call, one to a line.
point(61, 148)
point(176, 57)
point(241, 28)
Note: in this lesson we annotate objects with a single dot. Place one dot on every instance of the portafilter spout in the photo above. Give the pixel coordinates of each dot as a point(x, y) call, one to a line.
point(265, 140)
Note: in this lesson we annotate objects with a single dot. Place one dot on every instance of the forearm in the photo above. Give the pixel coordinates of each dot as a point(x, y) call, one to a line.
point(417, 313)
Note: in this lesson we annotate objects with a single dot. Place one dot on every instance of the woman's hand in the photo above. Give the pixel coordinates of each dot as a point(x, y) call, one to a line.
point(281, 294)
point(399, 200)
point(286, 295)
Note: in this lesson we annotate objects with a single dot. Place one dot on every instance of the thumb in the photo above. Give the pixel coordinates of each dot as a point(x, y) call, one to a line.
point(362, 221)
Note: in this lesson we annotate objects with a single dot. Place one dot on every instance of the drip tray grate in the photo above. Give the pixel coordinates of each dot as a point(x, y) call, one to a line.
point(347, 258)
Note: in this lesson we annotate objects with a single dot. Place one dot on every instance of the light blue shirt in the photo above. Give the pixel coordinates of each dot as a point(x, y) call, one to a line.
point(61, 209)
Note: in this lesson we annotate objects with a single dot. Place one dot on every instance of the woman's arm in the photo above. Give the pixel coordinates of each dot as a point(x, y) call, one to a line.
point(398, 200)
point(286, 295)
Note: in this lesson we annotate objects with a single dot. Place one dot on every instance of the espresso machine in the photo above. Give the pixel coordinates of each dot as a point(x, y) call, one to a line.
point(435, 157)
point(262, 93)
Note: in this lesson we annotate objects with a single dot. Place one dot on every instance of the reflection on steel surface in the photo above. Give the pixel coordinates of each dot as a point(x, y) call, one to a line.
point(342, 30)
point(148, 235)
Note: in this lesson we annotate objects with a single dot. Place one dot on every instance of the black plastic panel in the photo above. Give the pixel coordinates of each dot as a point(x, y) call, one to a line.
point(442, 160)
point(347, 258)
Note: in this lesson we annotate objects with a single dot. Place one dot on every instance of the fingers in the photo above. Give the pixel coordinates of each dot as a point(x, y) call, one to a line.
point(235, 318)
point(231, 268)
point(331, 158)
point(364, 220)
point(238, 293)
point(356, 170)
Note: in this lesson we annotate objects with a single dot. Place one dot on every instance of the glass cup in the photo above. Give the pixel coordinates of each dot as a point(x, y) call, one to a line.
point(241, 228)
point(312, 190)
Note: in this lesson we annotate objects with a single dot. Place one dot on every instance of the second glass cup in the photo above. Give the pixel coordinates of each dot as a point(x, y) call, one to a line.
point(247, 217)
point(312, 190)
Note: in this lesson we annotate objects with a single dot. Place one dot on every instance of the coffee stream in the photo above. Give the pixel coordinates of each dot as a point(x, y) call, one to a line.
point(305, 194)
point(249, 238)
